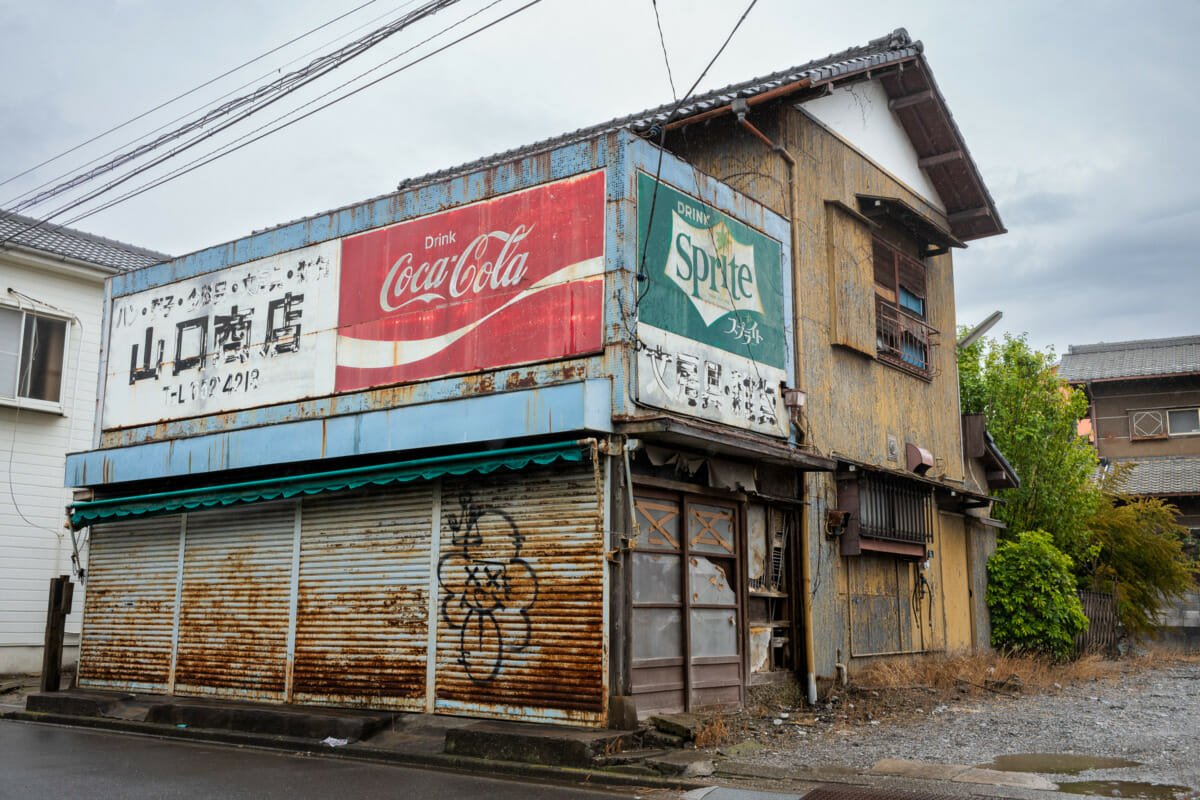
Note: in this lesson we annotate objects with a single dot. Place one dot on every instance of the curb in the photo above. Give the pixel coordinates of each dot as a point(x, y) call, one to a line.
point(361, 752)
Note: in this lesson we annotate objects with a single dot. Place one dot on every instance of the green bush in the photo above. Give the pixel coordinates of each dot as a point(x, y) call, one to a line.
point(1031, 595)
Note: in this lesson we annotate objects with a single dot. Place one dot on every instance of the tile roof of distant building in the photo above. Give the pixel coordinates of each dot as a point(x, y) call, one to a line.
point(1164, 475)
point(67, 242)
point(1134, 359)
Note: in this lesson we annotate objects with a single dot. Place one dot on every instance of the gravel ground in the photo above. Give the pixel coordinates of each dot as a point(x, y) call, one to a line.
point(1146, 714)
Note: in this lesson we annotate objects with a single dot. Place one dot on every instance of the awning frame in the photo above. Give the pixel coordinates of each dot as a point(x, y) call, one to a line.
point(153, 504)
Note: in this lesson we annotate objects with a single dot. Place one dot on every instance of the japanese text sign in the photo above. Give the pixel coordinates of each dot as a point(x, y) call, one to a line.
point(249, 335)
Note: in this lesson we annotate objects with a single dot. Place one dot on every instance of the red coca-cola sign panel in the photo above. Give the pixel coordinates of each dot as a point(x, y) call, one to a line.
point(512, 280)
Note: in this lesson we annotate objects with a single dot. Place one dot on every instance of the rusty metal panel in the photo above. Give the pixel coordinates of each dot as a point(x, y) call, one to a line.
point(361, 629)
point(881, 613)
point(520, 582)
point(233, 620)
point(129, 611)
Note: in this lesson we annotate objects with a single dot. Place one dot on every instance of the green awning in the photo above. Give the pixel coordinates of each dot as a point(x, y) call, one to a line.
point(145, 505)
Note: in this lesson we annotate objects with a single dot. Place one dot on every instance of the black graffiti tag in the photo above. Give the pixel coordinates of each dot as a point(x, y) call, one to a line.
point(488, 589)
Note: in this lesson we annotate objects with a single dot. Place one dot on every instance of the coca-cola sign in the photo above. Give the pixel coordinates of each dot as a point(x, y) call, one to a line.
point(512, 280)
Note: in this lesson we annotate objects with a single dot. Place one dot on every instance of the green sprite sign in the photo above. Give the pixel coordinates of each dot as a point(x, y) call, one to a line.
point(711, 316)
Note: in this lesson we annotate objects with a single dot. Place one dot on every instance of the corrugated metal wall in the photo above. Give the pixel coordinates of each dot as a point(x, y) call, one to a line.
point(233, 621)
point(129, 614)
point(361, 630)
point(328, 601)
point(521, 617)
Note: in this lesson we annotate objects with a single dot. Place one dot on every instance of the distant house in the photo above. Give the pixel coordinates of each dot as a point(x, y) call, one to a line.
point(657, 415)
point(1145, 410)
point(51, 304)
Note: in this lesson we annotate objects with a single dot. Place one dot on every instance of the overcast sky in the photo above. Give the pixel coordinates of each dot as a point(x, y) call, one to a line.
point(1080, 116)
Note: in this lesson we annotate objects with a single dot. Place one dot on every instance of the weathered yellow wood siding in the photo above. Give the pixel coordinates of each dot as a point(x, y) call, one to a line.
point(854, 401)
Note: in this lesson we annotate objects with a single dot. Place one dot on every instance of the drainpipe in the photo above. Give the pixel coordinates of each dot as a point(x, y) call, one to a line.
point(741, 108)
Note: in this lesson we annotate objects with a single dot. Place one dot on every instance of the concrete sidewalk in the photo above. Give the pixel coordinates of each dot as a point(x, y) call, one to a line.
point(543, 752)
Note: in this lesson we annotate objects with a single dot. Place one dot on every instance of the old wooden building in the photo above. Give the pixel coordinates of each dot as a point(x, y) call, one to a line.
point(644, 417)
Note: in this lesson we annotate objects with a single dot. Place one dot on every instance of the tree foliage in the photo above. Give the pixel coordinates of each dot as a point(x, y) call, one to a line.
point(1033, 415)
point(1031, 596)
point(1130, 546)
point(1137, 552)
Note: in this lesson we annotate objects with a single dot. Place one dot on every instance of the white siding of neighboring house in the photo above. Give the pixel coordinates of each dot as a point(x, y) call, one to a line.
point(32, 449)
point(859, 114)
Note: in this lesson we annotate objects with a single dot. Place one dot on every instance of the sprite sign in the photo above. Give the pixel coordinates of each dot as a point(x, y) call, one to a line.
point(711, 328)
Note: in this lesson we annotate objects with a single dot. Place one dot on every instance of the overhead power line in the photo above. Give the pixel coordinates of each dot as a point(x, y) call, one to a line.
point(189, 92)
point(250, 138)
point(259, 98)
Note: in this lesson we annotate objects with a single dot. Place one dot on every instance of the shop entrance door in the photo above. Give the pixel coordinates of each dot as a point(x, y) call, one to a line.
point(686, 616)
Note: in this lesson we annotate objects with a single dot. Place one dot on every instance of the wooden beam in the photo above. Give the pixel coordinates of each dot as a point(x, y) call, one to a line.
point(753, 100)
point(910, 99)
point(940, 158)
point(970, 213)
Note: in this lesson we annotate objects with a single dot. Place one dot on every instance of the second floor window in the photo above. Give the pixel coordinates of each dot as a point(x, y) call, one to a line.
point(903, 336)
point(32, 353)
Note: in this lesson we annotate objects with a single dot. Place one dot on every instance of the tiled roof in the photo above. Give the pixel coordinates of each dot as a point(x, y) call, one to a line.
point(1135, 359)
point(1165, 475)
point(896, 46)
point(70, 243)
point(938, 131)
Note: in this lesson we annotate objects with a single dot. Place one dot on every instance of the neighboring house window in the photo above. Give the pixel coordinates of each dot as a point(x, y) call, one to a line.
point(902, 336)
point(1157, 423)
point(32, 355)
point(1183, 422)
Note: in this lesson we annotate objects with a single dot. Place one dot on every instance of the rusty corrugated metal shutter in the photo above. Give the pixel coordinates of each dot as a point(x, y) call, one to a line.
point(521, 612)
point(233, 621)
point(129, 613)
point(362, 622)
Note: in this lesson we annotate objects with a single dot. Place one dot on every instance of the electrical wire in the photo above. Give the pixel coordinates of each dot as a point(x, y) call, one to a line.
point(238, 145)
point(197, 109)
point(258, 99)
point(192, 91)
point(662, 41)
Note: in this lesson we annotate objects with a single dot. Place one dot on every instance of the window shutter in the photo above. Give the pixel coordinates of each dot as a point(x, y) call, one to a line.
point(852, 297)
point(885, 265)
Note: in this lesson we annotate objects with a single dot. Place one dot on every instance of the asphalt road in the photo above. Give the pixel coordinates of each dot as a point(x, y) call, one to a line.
point(44, 761)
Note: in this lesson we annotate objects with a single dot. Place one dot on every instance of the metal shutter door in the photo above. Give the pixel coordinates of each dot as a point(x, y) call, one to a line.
point(521, 591)
point(129, 611)
point(362, 623)
point(235, 605)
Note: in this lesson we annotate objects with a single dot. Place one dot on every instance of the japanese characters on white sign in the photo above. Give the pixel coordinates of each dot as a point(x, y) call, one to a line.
point(259, 333)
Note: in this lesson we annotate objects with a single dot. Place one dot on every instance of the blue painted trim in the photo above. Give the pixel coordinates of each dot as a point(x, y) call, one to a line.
point(522, 173)
point(582, 406)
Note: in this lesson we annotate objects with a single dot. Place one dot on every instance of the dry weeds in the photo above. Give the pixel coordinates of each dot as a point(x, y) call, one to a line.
point(713, 733)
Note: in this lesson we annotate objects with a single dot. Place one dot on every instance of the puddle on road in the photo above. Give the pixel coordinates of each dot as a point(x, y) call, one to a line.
point(1149, 791)
point(1073, 764)
point(1056, 763)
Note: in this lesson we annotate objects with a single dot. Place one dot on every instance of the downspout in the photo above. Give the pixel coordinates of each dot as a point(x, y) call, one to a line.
point(740, 108)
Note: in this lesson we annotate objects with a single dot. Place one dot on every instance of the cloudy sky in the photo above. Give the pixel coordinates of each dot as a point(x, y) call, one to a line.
point(1081, 117)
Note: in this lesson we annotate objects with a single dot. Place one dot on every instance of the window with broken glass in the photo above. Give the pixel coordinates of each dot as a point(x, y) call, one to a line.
point(903, 337)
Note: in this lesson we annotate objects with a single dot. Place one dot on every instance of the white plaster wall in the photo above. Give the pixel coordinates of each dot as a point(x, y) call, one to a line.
point(859, 114)
point(34, 545)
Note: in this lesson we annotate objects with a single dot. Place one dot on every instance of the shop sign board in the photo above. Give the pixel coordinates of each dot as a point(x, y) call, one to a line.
point(246, 336)
point(711, 329)
point(511, 280)
point(515, 279)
